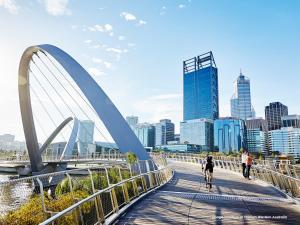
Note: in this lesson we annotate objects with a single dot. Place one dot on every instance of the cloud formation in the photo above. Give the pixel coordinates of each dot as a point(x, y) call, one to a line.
point(57, 7)
point(10, 5)
point(128, 16)
point(106, 28)
point(95, 72)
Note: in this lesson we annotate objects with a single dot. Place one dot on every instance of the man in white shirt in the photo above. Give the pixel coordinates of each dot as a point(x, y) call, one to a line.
point(244, 159)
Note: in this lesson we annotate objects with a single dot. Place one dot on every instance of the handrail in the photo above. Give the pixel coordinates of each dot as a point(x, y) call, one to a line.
point(91, 197)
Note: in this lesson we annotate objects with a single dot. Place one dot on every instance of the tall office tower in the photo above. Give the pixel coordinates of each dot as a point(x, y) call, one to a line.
point(290, 121)
point(164, 132)
point(273, 113)
point(146, 134)
point(241, 106)
point(200, 88)
point(199, 132)
point(229, 134)
point(257, 135)
point(132, 121)
point(85, 136)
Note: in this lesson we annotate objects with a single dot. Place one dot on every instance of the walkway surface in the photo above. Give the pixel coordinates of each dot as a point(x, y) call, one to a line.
point(233, 200)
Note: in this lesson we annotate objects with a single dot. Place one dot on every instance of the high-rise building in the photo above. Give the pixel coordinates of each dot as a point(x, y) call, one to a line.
point(273, 113)
point(164, 132)
point(291, 121)
point(7, 138)
point(200, 88)
point(241, 106)
point(229, 134)
point(146, 134)
point(199, 132)
point(286, 141)
point(257, 135)
point(132, 121)
point(85, 136)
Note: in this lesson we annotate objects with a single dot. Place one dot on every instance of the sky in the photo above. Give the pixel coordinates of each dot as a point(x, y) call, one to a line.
point(134, 49)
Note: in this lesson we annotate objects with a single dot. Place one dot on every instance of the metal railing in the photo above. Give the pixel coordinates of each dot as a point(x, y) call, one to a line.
point(80, 196)
point(70, 158)
point(287, 183)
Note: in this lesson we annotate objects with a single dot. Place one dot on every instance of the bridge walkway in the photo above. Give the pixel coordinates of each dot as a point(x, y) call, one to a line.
point(233, 200)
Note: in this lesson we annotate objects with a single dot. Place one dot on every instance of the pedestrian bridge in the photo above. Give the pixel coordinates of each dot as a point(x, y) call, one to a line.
point(157, 192)
point(233, 200)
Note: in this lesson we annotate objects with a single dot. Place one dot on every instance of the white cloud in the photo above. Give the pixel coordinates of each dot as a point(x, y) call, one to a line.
point(57, 7)
point(107, 28)
point(88, 41)
point(142, 22)
point(131, 45)
point(121, 38)
point(97, 60)
point(107, 64)
point(128, 16)
point(74, 27)
point(10, 5)
point(181, 6)
point(95, 72)
point(115, 50)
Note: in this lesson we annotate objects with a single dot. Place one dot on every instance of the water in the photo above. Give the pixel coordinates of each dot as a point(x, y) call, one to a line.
point(12, 195)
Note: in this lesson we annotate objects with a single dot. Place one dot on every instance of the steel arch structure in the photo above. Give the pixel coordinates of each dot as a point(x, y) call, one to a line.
point(103, 106)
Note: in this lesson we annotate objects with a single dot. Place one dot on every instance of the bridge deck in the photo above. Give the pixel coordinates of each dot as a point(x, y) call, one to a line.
point(233, 200)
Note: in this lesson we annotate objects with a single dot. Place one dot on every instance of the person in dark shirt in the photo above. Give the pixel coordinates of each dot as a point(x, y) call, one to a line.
point(210, 168)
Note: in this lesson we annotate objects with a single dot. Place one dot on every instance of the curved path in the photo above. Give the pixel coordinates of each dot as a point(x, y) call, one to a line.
point(233, 200)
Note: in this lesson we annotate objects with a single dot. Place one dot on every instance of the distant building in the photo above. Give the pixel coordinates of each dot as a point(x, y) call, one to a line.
point(257, 135)
point(286, 140)
point(180, 148)
point(164, 132)
point(85, 137)
point(177, 138)
point(132, 121)
point(200, 89)
point(229, 134)
point(199, 132)
point(146, 134)
point(7, 138)
point(241, 106)
point(273, 113)
point(291, 121)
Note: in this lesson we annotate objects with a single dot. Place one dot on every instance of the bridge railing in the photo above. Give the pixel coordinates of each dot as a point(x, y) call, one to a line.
point(54, 158)
point(287, 183)
point(113, 187)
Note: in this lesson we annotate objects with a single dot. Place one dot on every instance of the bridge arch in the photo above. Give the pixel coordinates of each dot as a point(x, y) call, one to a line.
point(103, 106)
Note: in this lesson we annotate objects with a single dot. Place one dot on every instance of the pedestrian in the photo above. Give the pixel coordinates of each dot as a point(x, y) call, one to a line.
point(249, 161)
point(244, 157)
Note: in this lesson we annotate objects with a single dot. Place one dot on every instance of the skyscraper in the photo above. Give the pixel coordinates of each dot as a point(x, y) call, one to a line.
point(200, 87)
point(164, 132)
point(241, 106)
point(274, 112)
point(146, 134)
point(199, 132)
point(85, 136)
point(229, 134)
point(257, 135)
point(291, 121)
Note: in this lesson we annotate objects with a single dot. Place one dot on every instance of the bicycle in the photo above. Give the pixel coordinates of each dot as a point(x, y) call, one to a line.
point(208, 179)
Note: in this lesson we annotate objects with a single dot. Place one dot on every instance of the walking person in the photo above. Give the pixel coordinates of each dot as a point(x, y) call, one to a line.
point(208, 172)
point(249, 161)
point(244, 157)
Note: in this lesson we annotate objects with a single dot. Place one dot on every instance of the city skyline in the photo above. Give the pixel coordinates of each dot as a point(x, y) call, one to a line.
point(114, 42)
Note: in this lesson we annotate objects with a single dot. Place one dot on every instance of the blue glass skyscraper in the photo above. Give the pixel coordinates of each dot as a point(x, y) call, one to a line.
point(200, 78)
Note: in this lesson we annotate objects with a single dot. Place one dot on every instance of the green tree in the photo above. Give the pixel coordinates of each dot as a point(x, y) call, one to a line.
point(131, 157)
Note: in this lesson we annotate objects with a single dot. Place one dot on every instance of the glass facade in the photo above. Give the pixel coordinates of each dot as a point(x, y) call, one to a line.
point(257, 135)
point(132, 121)
point(200, 88)
point(241, 106)
point(180, 148)
point(229, 135)
point(199, 132)
point(146, 134)
point(85, 136)
point(291, 121)
point(164, 132)
point(286, 140)
point(274, 112)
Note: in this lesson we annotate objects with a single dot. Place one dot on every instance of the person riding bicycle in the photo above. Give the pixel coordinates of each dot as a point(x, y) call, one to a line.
point(209, 167)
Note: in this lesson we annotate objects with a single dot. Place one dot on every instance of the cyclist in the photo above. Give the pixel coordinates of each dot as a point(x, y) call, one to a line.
point(208, 172)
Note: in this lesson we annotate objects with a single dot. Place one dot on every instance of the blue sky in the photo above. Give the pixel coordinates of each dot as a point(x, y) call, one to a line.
point(134, 49)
